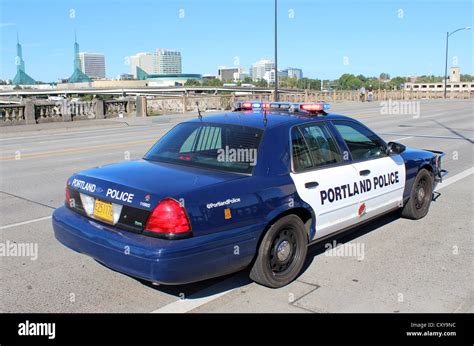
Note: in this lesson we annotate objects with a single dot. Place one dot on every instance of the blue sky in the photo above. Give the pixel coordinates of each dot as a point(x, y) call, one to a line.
point(325, 38)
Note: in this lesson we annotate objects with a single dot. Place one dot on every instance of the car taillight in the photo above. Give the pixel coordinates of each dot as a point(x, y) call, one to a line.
point(169, 219)
point(68, 197)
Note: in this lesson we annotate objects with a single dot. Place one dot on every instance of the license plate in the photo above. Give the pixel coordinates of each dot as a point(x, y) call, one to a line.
point(103, 211)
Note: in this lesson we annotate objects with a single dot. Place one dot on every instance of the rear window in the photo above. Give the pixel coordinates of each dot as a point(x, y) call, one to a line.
point(231, 148)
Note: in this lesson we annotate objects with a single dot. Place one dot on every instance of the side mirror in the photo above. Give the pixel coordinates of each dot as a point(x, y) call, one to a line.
point(395, 148)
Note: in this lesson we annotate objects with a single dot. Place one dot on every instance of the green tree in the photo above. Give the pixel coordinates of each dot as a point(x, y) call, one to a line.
point(212, 82)
point(261, 83)
point(192, 82)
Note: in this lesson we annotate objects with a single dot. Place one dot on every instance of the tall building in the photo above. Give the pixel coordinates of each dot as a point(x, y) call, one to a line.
point(292, 72)
point(92, 64)
point(21, 77)
point(227, 73)
point(168, 61)
point(161, 62)
point(454, 74)
point(258, 69)
point(78, 76)
point(145, 61)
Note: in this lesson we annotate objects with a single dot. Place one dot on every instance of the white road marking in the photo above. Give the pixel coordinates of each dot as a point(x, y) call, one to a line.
point(201, 297)
point(25, 222)
point(401, 138)
point(422, 136)
point(455, 178)
point(72, 132)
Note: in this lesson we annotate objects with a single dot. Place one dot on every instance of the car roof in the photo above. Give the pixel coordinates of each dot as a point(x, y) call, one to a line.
point(273, 118)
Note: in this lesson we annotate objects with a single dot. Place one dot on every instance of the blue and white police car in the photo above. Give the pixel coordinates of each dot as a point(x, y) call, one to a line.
point(252, 187)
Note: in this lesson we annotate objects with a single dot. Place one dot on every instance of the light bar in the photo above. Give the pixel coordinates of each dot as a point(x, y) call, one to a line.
point(310, 107)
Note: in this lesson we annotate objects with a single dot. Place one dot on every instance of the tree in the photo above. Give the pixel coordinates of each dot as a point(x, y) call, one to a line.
point(384, 76)
point(261, 83)
point(395, 83)
point(247, 80)
point(192, 82)
point(350, 82)
point(212, 82)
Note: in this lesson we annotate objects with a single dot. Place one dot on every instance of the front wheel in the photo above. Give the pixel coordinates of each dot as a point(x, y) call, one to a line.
point(420, 196)
point(282, 253)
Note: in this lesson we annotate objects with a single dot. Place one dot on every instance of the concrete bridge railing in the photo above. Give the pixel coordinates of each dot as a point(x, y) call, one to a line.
point(42, 111)
point(31, 111)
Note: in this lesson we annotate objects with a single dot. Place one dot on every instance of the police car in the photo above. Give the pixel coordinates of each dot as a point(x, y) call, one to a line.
point(252, 187)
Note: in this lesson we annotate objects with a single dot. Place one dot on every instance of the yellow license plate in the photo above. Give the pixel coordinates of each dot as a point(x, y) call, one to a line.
point(103, 211)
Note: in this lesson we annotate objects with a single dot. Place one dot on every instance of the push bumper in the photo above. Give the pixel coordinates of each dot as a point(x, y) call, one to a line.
point(158, 260)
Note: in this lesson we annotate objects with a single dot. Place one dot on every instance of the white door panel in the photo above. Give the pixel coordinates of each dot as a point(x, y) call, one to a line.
point(387, 177)
point(334, 205)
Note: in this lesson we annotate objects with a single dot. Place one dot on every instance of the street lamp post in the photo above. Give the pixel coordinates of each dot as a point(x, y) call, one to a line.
point(446, 61)
point(276, 54)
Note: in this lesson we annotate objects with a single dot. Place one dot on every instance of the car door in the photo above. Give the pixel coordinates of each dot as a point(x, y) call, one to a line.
point(381, 177)
point(321, 176)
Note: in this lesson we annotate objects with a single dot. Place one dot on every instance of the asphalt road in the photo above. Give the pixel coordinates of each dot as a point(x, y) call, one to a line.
point(400, 265)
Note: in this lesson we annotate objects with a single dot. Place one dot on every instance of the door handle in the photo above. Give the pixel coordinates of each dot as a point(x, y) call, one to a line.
point(364, 172)
point(311, 184)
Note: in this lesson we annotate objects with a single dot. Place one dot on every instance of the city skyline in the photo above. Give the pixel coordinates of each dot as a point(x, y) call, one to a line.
point(401, 38)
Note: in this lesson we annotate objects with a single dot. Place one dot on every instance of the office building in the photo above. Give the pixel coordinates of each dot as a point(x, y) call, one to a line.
point(145, 61)
point(258, 69)
point(93, 64)
point(168, 61)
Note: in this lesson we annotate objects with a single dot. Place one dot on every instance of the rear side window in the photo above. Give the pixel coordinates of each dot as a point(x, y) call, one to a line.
point(313, 147)
point(230, 148)
point(321, 144)
point(300, 152)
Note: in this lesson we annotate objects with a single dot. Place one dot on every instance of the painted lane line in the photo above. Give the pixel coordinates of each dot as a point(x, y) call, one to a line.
point(455, 178)
point(77, 150)
point(204, 296)
point(133, 128)
point(401, 138)
point(421, 136)
point(25, 222)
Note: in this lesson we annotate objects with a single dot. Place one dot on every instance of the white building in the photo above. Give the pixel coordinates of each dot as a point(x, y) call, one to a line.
point(258, 70)
point(168, 61)
point(292, 72)
point(240, 76)
point(93, 64)
point(146, 61)
point(453, 84)
point(269, 76)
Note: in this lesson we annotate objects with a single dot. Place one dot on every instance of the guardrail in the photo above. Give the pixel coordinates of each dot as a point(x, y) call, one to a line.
point(31, 111)
point(40, 111)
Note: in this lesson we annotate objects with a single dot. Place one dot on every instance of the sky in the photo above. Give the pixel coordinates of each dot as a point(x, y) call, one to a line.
point(324, 38)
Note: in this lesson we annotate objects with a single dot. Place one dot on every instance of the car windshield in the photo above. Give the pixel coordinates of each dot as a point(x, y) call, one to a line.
point(231, 148)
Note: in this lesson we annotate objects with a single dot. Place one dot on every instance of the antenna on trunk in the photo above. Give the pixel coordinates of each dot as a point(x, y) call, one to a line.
point(199, 111)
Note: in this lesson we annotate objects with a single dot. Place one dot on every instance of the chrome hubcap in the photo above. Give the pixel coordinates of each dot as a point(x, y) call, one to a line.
point(283, 250)
point(421, 194)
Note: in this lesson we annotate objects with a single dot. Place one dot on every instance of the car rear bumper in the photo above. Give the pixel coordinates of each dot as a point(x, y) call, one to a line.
point(158, 260)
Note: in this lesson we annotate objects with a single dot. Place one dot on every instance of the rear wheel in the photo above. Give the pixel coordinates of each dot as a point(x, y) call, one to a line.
point(420, 196)
point(282, 253)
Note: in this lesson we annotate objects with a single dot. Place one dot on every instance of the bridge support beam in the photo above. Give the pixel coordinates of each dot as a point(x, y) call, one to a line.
point(141, 106)
point(99, 109)
point(30, 112)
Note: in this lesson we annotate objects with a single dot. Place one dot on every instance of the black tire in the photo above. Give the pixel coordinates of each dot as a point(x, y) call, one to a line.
point(421, 196)
point(282, 253)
